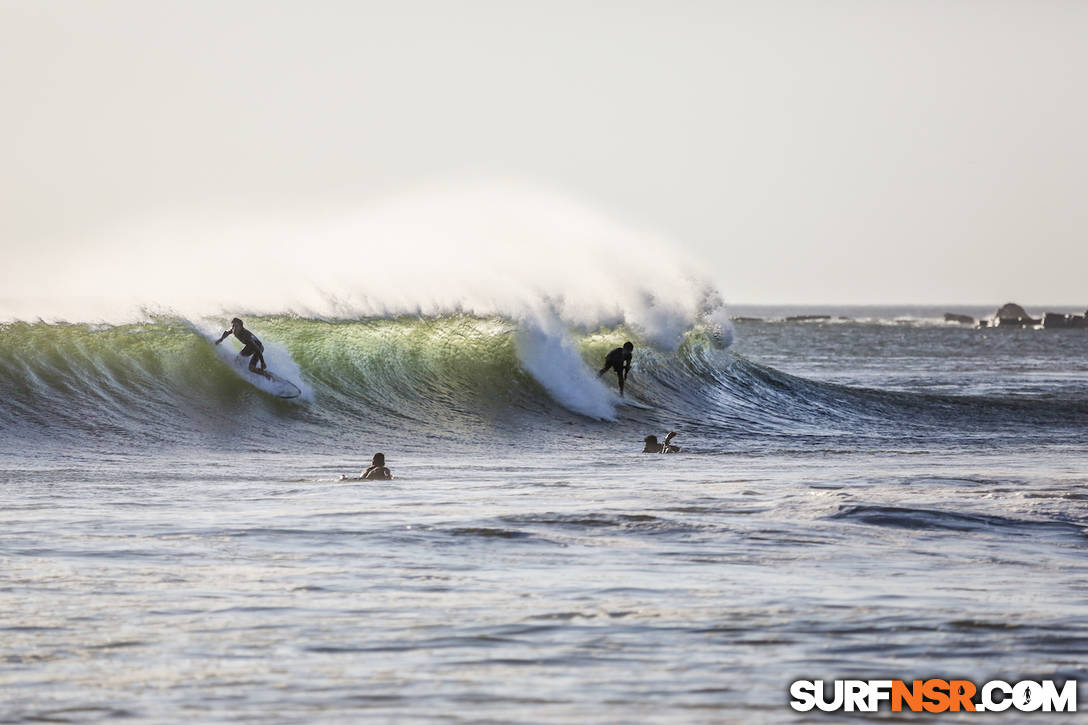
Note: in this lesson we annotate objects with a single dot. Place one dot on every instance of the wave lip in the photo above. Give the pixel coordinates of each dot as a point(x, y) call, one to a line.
point(553, 360)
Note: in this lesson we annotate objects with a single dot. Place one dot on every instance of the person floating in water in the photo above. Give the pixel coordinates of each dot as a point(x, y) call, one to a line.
point(652, 446)
point(620, 361)
point(251, 346)
point(377, 470)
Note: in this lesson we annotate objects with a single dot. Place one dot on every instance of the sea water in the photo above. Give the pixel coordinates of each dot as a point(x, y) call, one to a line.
point(878, 495)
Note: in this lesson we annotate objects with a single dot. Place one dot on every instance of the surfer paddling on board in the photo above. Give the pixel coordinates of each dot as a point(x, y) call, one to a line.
point(377, 470)
point(620, 361)
point(251, 346)
point(652, 446)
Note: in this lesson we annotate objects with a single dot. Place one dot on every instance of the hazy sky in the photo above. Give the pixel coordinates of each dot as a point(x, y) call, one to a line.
point(856, 152)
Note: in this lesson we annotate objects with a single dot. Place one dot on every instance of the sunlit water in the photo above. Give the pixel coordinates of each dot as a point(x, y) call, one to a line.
point(542, 570)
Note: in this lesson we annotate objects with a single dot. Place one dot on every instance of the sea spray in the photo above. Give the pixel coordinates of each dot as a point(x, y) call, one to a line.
point(550, 356)
point(489, 249)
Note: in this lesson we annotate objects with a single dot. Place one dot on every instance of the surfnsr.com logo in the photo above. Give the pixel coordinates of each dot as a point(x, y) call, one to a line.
point(933, 695)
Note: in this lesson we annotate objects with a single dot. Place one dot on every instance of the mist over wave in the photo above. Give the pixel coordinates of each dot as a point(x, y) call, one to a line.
point(441, 315)
point(545, 264)
point(484, 249)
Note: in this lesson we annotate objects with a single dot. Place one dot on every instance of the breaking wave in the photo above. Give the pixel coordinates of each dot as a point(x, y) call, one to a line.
point(448, 378)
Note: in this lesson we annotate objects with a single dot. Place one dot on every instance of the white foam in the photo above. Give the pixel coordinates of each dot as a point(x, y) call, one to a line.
point(719, 326)
point(477, 248)
point(279, 360)
point(283, 365)
point(548, 354)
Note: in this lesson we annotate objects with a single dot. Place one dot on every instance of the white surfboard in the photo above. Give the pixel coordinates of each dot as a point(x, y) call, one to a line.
point(268, 382)
point(280, 387)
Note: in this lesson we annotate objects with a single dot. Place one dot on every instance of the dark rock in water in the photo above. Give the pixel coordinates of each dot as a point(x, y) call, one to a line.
point(1017, 322)
point(1010, 310)
point(808, 318)
point(1058, 321)
point(962, 319)
point(1011, 314)
point(746, 319)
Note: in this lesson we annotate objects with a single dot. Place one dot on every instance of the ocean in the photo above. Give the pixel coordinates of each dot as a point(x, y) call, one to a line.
point(877, 495)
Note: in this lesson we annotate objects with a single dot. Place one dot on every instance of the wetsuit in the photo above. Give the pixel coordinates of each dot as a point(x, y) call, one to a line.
point(660, 448)
point(616, 360)
point(377, 473)
point(620, 361)
point(251, 345)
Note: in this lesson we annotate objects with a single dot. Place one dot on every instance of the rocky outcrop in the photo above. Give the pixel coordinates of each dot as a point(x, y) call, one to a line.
point(808, 318)
point(1011, 314)
point(1058, 321)
point(962, 319)
point(1010, 310)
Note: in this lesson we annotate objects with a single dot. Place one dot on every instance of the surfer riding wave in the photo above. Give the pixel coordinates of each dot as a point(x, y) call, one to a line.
point(620, 361)
point(251, 346)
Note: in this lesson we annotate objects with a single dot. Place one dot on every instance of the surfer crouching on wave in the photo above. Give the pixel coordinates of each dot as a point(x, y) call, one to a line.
point(251, 346)
point(620, 361)
point(652, 446)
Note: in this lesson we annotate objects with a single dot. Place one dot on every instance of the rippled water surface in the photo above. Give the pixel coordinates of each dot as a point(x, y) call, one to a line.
point(900, 514)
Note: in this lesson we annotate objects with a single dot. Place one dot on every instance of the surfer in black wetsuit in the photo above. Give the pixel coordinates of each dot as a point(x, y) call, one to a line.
point(652, 446)
point(620, 361)
point(251, 346)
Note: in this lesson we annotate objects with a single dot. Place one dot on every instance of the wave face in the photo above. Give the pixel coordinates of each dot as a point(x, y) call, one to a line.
point(458, 380)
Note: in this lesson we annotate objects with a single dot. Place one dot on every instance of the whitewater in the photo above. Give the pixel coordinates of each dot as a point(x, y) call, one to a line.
point(878, 495)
